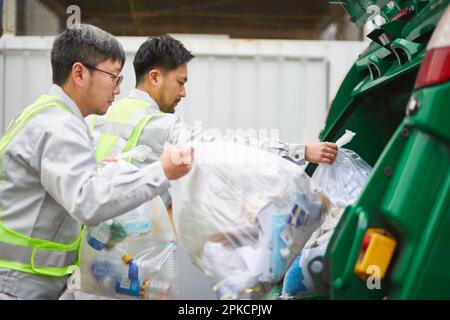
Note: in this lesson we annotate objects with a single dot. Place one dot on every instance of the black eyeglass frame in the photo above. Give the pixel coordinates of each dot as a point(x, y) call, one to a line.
point(119, 77)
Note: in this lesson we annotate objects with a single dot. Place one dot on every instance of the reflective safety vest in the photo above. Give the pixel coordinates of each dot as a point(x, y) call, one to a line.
point(120, 130)
point(23, 253)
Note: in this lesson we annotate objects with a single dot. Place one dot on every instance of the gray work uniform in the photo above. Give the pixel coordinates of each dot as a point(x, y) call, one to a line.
point(51, 186)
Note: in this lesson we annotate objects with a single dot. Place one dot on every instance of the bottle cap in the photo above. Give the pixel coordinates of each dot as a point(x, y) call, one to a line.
point(96, 244)
point(126, 258)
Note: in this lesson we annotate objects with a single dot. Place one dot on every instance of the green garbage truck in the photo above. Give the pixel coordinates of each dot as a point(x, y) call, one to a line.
point(394, 242)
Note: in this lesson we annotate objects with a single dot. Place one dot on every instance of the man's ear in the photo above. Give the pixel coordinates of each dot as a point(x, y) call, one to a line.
point(78, 74)
point(154, 77)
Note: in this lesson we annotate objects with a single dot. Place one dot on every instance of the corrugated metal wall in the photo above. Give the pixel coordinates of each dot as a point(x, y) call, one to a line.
point(233, 84)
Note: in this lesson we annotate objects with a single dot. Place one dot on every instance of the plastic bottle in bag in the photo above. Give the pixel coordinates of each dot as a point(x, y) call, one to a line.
point(129, 287)
point(117, 276)
point(163, 285)
point(153, 289)
point(99, 236)
point(107, 271)
point(137, 221)
point(170, 266)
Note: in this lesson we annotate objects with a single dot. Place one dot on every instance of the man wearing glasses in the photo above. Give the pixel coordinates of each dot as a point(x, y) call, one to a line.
point(49, 182)
point(117, 78)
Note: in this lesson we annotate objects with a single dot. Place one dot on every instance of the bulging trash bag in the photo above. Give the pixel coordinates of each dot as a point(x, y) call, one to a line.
point(133, 256)
point(243, 215)
point(342, 182)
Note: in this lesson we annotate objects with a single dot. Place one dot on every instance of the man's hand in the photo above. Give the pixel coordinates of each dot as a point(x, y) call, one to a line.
point(323, 152)
point(177, 161)
point(108, 160)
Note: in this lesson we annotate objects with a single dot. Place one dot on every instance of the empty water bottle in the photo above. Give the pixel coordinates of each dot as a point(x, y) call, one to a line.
point(153, 289)
point(137, 221)
point(98, 236)
point(169, 270)
point(108, 266)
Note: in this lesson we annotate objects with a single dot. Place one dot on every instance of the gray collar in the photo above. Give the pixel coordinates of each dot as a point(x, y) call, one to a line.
point(58, 92)
point(144, 96)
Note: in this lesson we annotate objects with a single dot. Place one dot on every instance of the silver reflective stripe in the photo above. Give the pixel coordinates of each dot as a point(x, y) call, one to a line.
point(118, 147)
point(53, 258)
point(122, 130)
point(43, 258)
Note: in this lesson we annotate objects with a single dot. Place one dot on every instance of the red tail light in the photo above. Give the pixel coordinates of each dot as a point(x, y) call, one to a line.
point(435, 68)
point(405, 14)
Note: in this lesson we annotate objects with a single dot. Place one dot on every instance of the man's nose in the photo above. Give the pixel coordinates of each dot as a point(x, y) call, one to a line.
point(116, 90)
point(183, 92)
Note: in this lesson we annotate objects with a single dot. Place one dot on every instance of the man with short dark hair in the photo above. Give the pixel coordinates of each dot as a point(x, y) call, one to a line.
point(160, 66)
point(50, 184)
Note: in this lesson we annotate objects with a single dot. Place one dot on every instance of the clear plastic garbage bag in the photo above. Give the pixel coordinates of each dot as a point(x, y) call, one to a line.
point(342, 182)
point(243, 215)
point(133, 256)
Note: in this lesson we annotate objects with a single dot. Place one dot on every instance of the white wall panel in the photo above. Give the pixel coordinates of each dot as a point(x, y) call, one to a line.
point(233, 84)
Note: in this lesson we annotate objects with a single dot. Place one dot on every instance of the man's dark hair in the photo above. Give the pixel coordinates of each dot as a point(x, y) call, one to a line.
point(162, 52)
point(86, 44)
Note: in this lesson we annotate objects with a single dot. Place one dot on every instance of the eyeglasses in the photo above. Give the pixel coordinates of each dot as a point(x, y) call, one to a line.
point(119, 77)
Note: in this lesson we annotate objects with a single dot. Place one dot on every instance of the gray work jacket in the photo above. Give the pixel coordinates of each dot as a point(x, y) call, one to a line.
point(52, 186)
